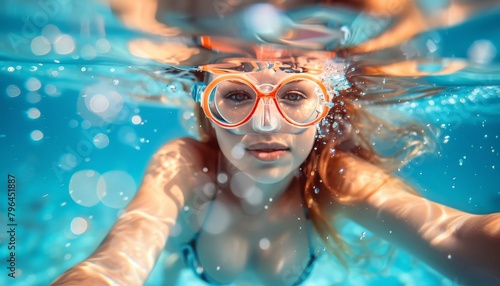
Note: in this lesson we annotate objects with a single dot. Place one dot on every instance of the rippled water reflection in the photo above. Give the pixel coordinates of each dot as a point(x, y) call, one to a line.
point(396, 50)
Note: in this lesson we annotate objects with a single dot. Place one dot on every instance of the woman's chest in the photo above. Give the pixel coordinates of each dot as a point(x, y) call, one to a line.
point(272, 248)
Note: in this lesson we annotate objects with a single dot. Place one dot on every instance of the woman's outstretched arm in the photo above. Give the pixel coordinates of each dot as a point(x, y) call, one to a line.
point(129, 251)
point(462, 246)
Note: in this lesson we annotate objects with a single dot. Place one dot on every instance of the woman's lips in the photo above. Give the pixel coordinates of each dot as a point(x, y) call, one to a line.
point(267, 152)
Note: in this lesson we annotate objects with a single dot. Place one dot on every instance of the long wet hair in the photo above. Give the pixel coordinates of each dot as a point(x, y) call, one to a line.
point(348, 128)
point(351, 128)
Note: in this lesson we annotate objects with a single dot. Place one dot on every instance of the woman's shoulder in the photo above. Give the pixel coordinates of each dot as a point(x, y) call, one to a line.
point(182, 153)
point(171, 170)
point(186, 148)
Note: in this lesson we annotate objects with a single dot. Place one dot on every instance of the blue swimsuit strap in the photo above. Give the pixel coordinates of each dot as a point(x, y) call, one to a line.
point(191, 258)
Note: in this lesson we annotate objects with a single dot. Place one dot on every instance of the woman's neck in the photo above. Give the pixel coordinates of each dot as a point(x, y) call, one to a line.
point(255, 196)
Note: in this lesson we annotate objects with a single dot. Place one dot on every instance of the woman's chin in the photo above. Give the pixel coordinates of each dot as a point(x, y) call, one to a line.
point(269, 175)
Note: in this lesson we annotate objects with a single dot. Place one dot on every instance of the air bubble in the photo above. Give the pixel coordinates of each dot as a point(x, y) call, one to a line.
point(36, 135)
point(34, 113)
point(363, 235)
point(222, 178)
point(13, 90)
point(264, 243)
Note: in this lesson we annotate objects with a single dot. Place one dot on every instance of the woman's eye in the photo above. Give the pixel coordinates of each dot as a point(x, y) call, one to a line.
point(237, 96)
point(293, 96)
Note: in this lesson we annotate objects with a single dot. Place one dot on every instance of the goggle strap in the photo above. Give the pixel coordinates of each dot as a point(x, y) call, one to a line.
point(197, 90)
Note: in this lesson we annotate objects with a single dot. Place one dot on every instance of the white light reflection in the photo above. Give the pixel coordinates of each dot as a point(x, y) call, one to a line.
point(220, 219)
point(36, 135)
point(222, 178)
point(264, 243)
point(83, 184)
point(86, 124)
point(127, 135)
point(238, 151)
point(64, 45)
point(51, 90)
point(13, 90)
point(101, 140)
point(78, 225)
point(263, 19)
point(73, 123)
point(33, 113)
point(68, 161)
point(88, 52)
point(242, 185)
point(136, 119)
point(33, 97)
point(51, 33)
point(482, 52)
point(115, 189)
point(102, 101)
point(33, 84)
point(98, 103)
point(40, 46)
point(103, 46)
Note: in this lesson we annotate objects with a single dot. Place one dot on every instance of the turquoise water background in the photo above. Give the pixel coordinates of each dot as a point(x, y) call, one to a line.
point(52, 144)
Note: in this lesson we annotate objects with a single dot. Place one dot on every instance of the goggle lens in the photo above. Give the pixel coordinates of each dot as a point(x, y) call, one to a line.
point(233, 101)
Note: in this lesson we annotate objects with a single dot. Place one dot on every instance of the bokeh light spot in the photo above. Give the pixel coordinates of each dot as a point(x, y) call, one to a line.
point(33, 84)
point(51, 33)
point(33, 97)
point(51, 90)
point(115, 187)
point(86, 124)
point(264, 243)
point(73, 123)
point(102, 46)
point(78, 225)
point(36, 135)
point(222, 178)
point(34, 113)
point(83, 184)
point(88, 52)
point(40, 46)
point(136, 119)
point(64, 45)
point(101, 140)
point(220, 219)
point(482, 52)
point(68, 161)
point(13, 90)
point(99, 103)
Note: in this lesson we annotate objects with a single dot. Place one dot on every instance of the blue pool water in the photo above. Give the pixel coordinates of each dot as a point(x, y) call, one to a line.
point(77, 138)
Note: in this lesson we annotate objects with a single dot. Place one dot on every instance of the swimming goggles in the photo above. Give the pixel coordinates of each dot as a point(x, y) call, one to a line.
point(230, 100)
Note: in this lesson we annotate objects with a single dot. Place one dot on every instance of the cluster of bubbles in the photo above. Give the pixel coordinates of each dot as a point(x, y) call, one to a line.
point(334, 77)
point(32, 87)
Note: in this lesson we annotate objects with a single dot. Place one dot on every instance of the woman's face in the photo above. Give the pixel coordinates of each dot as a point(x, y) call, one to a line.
point(267, 148)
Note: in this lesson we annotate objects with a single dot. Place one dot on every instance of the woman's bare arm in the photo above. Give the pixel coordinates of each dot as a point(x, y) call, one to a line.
point(130, 250)
point(462, 246)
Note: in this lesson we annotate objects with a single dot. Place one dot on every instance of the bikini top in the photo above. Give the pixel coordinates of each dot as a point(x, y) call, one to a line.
point(191, 259)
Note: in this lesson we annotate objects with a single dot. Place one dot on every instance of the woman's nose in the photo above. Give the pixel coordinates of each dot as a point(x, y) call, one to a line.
point(266, 117)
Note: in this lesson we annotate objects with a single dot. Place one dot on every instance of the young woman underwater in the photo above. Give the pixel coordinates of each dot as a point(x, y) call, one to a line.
point(281, 157)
